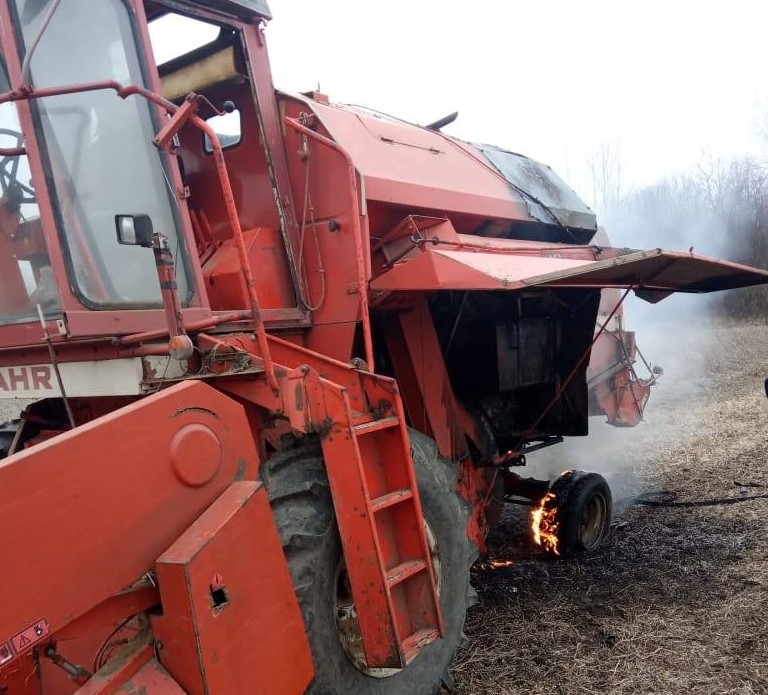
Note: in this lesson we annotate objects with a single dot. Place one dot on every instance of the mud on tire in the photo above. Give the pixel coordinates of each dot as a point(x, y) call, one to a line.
point(297, 484)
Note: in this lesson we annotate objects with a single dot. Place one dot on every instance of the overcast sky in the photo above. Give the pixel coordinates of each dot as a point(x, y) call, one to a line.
point(664, 83)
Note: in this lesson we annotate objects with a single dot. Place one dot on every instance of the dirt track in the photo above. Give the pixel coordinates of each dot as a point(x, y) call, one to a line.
point(678, 600)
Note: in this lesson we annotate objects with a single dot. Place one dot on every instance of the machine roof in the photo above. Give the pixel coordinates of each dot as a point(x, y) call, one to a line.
point(417, 167)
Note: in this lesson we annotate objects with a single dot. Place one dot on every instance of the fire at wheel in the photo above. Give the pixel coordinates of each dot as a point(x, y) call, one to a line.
point(574, 515)
point(298, 488)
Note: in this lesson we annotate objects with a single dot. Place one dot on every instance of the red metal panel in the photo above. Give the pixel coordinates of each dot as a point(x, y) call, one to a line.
point(111, 612)
point(349, 224)
point(224, 279)
point(151, 678)
point(405, 373)
point(658, 271)
point(143, 472)
point(467, 270)
point(136, 677)
point(271, 123)
point(418, 168)
point(428, 366)
point(230, 622)
point(126, 665)
point(650, 271)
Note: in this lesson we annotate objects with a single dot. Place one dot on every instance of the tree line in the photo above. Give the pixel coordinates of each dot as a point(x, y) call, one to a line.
point(720, 209)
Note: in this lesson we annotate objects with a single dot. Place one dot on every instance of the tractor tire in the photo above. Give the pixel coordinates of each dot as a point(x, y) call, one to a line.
point(297, 484)
point(584, 512)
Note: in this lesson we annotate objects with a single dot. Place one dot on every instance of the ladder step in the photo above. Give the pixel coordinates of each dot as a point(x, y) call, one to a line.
point(376, 425)
point(414, 643)
point(406, 569)
point(390, 499)
point(359, 417)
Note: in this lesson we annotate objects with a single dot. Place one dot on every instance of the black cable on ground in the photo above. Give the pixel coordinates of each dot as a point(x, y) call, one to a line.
point(668, 498)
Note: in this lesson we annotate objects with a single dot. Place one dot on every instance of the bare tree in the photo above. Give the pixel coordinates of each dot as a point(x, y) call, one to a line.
point(720, 208)
point(605, 170)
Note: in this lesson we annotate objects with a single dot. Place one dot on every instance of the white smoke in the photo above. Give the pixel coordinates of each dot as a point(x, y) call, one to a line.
point(675, 214)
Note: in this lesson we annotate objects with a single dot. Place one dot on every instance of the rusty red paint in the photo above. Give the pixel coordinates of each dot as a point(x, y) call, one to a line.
point(474, 485)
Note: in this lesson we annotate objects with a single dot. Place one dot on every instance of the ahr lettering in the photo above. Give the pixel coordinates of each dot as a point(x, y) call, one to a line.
point(34, 378)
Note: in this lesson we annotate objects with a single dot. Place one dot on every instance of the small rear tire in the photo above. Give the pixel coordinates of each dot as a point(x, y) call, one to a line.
point(584, 510)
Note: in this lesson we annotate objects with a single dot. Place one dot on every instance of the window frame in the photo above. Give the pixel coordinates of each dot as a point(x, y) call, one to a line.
point(183, 258)
point(164, 64)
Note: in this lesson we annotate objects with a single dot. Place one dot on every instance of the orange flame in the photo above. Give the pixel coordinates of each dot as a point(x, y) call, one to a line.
point(544, 523)
point(498, 564)
point(493, 565)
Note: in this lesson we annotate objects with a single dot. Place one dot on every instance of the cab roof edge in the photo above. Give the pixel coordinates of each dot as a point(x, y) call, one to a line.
point(246, 9)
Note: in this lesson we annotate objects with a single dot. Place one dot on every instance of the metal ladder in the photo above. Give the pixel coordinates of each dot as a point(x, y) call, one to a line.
point(375, 495)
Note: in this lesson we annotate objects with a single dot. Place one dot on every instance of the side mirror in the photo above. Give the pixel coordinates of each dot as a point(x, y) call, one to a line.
point(135, 230)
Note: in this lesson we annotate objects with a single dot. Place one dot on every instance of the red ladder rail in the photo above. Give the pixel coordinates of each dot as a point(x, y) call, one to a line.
point(378, 511)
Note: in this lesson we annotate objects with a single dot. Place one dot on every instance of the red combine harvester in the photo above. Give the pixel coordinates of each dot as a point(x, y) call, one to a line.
point(281, 377)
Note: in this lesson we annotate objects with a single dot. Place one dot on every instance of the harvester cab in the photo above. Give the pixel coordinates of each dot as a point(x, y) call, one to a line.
point(285, 358)
point(79, 133)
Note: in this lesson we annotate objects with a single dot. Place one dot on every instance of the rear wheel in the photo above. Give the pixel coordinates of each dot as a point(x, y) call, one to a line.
point(583, 511)
point(298, 489)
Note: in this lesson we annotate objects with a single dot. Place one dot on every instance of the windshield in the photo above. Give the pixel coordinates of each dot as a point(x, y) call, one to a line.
point(26, 278)
point(99, 148)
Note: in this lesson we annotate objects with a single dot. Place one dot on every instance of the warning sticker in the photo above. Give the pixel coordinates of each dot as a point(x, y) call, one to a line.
point(6, 654)
point(31, 636)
